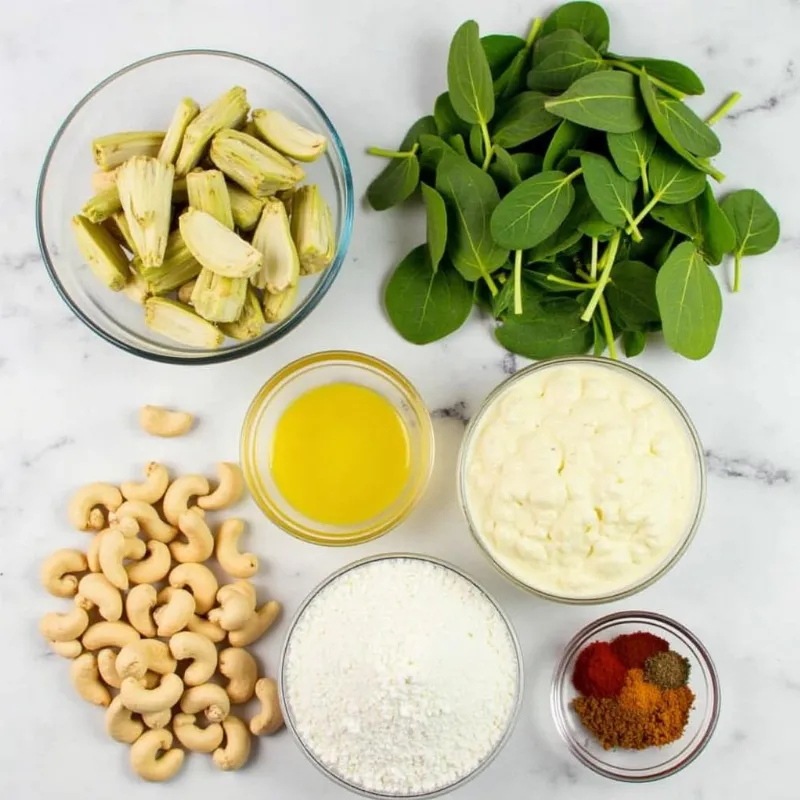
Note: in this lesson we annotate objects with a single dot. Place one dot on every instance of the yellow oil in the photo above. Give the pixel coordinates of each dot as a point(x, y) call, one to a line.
point(340, 454)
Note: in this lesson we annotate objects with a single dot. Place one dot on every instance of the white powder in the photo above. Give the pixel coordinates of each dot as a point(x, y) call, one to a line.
point(401, 676)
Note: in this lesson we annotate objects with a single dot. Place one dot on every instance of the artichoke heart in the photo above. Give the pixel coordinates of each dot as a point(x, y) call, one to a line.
point(278, 306)
point(103, 205)
point(208, 192)
point(102, 253)
point(250, 322)
point(245, 208)
point(186, 111)
point(116, 148)
point(216, 247)
point(218, 299)
point(312, 229)
point(178, 267)
point(179, 323)
point(289, 138)
point(280, 267)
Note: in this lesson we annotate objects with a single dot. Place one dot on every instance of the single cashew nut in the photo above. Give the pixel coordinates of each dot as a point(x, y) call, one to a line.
point(239, 565)
point(237, 745)
point(174, 616)
point(107, 666)
point(111, 555)
point(228, 491)
point(158, 421)
point(139, 603)
point(195, 738)
point(154, 567)
point(203, 653)
point(56, 627)
point(86, 680)
point(136, 658)
point(109, 634)
point(153, 488)
point(128, 525)
point(236, 608)
point(208, 697)
point(270, 718)
point(89, 497)
point(257, 625)
point(157, 719)
point(241, 670)
point(200, 542)
point(176, 500)
point(145, 761)
point(151, 524)
point(66, 649)
point(133, 547)
point(120, 724)
point(96, 591)
point(136, 697)
point(201, 582)
point(205, 628)
point(55, 572)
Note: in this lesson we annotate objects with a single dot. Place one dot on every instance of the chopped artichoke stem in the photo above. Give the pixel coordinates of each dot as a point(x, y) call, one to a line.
point(227, 111)
point(208, 192)
point(179, 323)
point(185, 292)
point(178, 267)
point(289, 138)
point(278, 306)
point(255, 166)
point(251, 321)
point(116, 148)
point(216, 247)
point(218, 299)
point(102, 180)
point(121, 224)
point(186, 111)
point(102, 253)
point(312, 229)
point(280, 267)
point(102, 205)
point(245, 208)
point(137, 289)
point(145, 189)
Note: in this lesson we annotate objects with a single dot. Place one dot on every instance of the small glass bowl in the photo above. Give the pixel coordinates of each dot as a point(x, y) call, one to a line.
point(143, 96)
point(287, 710)
point(638, 766)
point(680, 546)
point(299, 377)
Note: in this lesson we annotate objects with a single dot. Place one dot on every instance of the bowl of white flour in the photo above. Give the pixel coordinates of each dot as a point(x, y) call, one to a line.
point(400, 677)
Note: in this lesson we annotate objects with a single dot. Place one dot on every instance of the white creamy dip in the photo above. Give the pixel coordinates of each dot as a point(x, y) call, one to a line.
point(581, 479)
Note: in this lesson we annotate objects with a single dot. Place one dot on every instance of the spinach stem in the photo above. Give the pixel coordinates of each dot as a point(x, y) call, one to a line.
point(652, 203)
point(379, 151)
point(724, 109)
point(571, 284)
point(595, 249)
point(633, 227)
point(645, 179)
point(571, 177)
point(665, 87)
point(608, 331)
point(536, 26)
point(487, 146)
point(608, 261)
point(490, 283)
point(737, 271)
point(518, 282)
point(586, 277)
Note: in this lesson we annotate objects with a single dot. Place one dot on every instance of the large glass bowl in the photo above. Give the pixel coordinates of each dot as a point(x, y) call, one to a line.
point(143, 96)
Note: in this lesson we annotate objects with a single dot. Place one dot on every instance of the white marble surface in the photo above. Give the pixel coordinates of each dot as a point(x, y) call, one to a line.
point(68, 399)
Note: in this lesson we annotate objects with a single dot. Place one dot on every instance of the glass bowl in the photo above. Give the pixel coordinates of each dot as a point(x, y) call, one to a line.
point(682, 543)
point(287, 710)
point(638, 766)
point(299, 377)
point(143, 96)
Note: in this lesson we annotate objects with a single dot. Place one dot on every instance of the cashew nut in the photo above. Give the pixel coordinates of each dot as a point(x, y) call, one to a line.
point(201, 582)
point(157, 719)
point(239, 565)
point(176, 500)
point(205, 628)
point(139, 603)
point(237, 745)
point(107, 666)
point(200, 543)
point(86, 680)
point(195, 738)
point(241, 670)
point(247, 588)
point(109, 634)
point(203, 653)
point(133, 547)
point(128, 525)
point(257, 625)
point(153, 488)
point(57, 627)
point(208, 697)
point(158, 421)
point(96, 591)
point(136, 697)
point(55, 572)
point(236, 608)
point(174, 616)
point(120, 724)
point(144, 756)
point(154, 567)
point(135, 659)
point(228, 491)
point(66, 649)
point(270, 718)
point(89, 497)
point(111, 554)
point(151, 524)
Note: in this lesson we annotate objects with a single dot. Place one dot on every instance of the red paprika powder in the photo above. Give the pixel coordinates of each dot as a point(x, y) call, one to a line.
point(598, 671)
point(633, 649)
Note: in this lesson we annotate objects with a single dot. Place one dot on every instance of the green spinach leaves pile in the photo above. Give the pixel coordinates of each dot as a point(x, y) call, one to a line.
point(568, 193)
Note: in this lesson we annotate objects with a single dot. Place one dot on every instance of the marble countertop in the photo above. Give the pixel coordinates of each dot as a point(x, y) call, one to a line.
point(68, 399)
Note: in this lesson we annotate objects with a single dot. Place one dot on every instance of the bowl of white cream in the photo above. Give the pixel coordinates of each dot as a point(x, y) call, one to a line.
point(583, 479)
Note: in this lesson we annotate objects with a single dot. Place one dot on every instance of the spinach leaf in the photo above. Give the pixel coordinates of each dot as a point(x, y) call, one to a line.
point(557, 66)
point(604, 101)
point(588, 19)
point(471, 197)
point(425, 305)
point(677, 75)
point(611, 194)
point(634, 343)
point(433, 149)
point(672, 180)
point(512, 79)
point(568, 136)
point(457, 144)
point(476, 148)
point(688, 129)
point(631, 294)
point(664, 251)
point(469, 80)
point(436, 215)
point(503, 300)
point(397, 182)
point(424, 125)
point(568, 233)
point(537, 274)
point(717, 233)
point(523, 119)
point(533, 210)
point(683, 218)
point(631, 151)
point(528, 164)
point(448, 123)
point(689, 301)
point(504, 168)
point(595, 226)
point(500, 50)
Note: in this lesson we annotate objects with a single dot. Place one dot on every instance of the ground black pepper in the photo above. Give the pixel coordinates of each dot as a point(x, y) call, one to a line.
point(667, 670)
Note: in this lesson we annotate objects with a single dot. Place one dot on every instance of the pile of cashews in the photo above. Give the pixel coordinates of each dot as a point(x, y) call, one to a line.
point(150, 627)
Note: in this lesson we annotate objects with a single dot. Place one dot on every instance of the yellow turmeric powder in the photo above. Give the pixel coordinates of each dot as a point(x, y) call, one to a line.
point(638, 695)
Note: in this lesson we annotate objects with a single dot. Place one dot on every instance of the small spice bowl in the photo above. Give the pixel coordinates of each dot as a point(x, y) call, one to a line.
point(654, 763)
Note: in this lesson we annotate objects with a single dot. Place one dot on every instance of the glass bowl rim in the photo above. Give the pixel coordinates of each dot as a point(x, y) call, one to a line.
point(326, 358)
point(320, 288)
point(587, 633)
point(700, 461)
point(513, 716)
